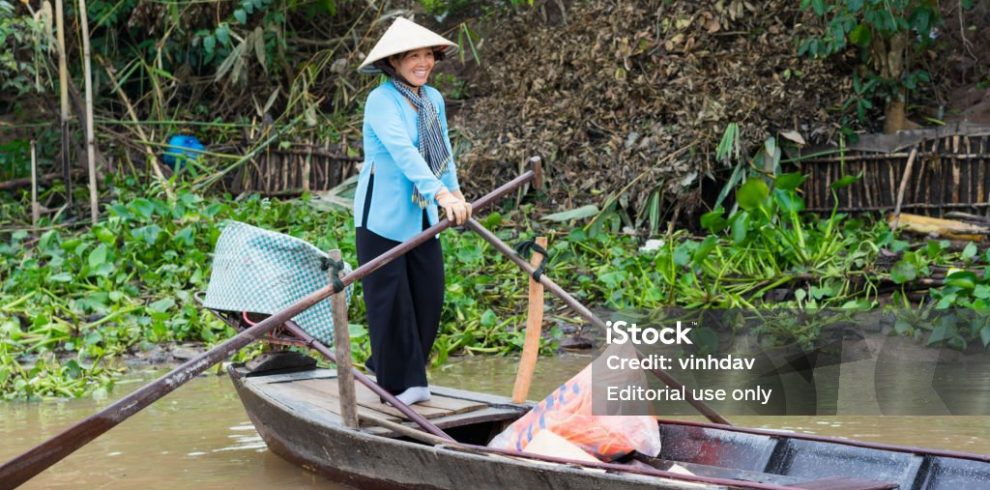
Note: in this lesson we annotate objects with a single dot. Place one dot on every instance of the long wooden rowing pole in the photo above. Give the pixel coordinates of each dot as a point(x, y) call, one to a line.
point(585, 313)
point(24, 467)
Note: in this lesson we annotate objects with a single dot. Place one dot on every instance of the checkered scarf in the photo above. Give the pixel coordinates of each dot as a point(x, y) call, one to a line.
point(431, 144)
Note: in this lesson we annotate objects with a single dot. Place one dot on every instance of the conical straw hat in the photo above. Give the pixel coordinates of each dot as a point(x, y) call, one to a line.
point(404, 35)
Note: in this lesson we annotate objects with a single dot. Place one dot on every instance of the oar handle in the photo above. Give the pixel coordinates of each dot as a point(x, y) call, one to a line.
point(25, 466)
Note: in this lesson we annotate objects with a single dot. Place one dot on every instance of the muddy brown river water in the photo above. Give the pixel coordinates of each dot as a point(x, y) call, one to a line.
point(199, 436)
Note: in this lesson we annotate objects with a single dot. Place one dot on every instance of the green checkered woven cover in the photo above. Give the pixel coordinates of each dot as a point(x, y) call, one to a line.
point(261, 271)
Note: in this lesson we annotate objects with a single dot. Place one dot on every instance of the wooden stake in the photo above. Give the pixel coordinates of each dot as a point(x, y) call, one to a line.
point(35, 208)
point(536, 165)
point(342, 346)
point(534, 327)
point(307, 169)
point(90, 137)
point(903, 187)
point(63, 88)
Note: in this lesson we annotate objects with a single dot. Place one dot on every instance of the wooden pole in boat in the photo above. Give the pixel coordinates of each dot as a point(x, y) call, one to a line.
point(431, 430)
point(585, 313)
point(534, 326)
point(25, 466)
point(342, 345)
point(365, 380)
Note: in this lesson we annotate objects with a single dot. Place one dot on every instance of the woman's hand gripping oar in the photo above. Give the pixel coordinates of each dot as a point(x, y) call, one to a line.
point(24, 467)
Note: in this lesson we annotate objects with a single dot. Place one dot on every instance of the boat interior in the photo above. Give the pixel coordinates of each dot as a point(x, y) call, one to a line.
point(468, 417)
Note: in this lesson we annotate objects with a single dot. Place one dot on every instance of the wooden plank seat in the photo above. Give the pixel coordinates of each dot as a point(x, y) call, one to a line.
point(318, 390)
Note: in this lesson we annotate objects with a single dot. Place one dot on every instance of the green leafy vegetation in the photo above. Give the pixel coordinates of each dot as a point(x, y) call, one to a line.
point(445, 7)
point(72, 302)
point(767, 252)
point(889, 38)
point(23, 48)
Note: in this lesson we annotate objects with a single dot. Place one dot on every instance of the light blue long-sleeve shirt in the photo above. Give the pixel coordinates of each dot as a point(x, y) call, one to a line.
point(391, 151)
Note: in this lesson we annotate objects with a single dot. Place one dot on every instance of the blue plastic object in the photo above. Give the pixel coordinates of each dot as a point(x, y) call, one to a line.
point(180, 148)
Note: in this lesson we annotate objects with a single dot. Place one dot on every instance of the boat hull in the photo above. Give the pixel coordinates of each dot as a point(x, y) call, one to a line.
point(363, 460)
point(294, 414)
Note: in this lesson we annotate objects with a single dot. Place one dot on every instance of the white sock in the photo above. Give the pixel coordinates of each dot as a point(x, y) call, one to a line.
point(414, 395)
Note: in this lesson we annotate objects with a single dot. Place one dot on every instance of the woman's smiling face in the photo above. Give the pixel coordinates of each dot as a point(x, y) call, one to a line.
point(415, 66)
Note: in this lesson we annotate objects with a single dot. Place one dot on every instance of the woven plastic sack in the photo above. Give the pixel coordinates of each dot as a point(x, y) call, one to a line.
point(262, 271)
point(567, 412)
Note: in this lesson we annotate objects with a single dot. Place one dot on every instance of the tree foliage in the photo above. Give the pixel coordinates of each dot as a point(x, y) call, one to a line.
point(889, 37)
point(23, 51)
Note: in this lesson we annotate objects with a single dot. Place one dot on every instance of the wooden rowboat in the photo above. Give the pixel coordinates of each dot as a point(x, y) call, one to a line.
point(294, 408)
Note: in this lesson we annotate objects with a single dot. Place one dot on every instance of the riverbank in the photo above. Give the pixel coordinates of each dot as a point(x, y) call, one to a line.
point(75, 300)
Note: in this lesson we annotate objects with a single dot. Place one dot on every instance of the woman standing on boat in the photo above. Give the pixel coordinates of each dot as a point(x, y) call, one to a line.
point(408, 174)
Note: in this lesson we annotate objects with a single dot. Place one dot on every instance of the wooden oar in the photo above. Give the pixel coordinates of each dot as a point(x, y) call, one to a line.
point(585, 313)
point(24, 467)
point(534, 326)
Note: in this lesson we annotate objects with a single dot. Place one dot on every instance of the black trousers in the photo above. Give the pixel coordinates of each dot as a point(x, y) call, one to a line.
point(403, 300)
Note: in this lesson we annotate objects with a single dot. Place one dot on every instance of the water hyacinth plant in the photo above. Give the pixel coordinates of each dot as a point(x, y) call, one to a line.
point(74, 302)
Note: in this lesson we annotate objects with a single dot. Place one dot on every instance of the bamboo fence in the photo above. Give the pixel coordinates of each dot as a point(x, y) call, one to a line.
point(306, 166)
point(949, 172)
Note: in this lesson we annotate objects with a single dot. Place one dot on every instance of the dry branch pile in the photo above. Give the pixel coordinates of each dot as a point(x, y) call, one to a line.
point(609, 90)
